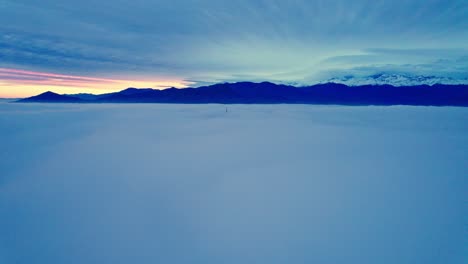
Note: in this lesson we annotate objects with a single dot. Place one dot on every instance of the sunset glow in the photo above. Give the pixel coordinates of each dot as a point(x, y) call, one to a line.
point(15, 83)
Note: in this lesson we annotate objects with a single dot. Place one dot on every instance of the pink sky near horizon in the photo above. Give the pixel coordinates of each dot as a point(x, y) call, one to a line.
point(17, 83)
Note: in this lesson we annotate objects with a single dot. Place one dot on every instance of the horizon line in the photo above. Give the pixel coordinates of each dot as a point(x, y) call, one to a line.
point(251, 82)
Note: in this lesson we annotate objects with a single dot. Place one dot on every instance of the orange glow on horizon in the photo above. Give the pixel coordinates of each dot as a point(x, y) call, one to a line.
point(16, 83)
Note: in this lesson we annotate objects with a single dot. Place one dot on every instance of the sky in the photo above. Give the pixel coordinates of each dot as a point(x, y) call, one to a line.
point(103, 46)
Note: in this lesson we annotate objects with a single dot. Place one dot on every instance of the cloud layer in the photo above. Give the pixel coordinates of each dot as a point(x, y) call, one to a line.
point(259, 184)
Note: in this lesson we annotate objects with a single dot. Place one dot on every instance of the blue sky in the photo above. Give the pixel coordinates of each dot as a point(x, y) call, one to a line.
point(195, 42)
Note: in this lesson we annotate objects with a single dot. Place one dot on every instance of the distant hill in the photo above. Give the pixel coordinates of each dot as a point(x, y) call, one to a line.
point(270, 93)
point(50, 97)
point(7, 100)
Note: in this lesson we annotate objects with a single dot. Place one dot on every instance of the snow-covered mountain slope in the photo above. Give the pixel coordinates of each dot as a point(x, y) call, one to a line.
point(395, 80)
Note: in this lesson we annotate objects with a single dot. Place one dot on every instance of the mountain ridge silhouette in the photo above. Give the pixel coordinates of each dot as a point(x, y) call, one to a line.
point(270, 93)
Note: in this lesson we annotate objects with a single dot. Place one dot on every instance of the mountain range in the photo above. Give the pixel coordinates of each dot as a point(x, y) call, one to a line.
point(396, 80)
point(270, 93)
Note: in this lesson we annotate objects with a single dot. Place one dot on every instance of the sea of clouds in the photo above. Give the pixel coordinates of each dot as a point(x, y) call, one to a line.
point(83, 183)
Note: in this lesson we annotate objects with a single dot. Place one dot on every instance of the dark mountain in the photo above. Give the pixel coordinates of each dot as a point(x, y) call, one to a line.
point(132, 90)
point(242, 92)
point(50, 97)
point(84, 96)
point(270, 93)
point(437, 95)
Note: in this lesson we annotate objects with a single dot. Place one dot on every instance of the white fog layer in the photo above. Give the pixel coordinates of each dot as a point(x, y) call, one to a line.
point(83, 184)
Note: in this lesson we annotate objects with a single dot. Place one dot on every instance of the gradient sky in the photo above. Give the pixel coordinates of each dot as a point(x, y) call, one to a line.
point(102, 46)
